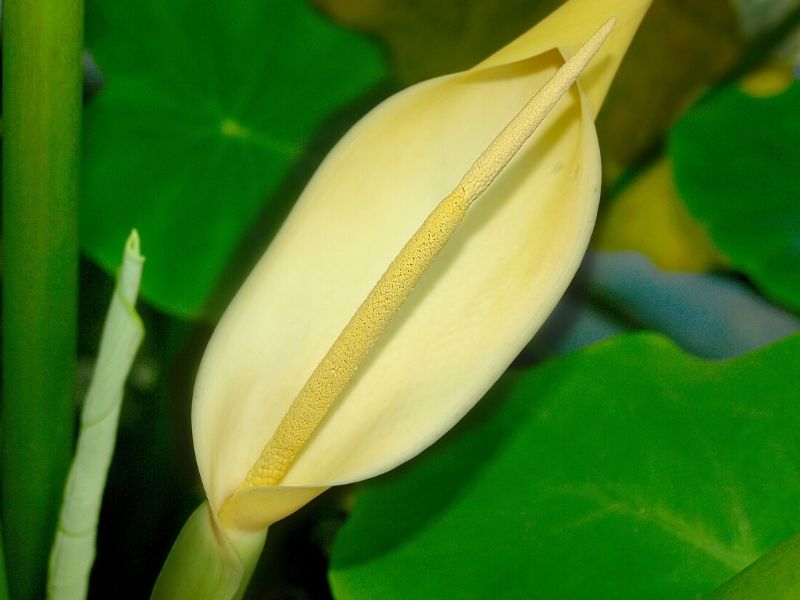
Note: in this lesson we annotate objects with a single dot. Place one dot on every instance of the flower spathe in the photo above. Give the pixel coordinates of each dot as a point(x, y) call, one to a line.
point(483, 298)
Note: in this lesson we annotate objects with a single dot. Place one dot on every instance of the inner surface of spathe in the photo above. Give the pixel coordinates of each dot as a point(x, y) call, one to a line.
point(488, 291)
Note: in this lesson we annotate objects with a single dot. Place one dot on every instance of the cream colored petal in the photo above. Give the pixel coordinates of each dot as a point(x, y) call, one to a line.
point(491, 288)
point(568, 28)
point(488, 292)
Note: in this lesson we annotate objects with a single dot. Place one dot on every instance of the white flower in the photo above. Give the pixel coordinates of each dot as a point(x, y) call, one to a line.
point(491, 287)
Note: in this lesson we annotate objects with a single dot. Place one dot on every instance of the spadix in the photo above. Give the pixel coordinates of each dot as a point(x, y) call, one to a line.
point(342, 360)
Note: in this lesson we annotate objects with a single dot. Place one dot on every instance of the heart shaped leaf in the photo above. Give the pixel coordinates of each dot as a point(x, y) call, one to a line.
point(626, 470)
point(205, 109)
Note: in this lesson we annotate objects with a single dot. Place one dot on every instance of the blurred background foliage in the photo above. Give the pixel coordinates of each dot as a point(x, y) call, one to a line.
point(199, 122)
point(633, 468)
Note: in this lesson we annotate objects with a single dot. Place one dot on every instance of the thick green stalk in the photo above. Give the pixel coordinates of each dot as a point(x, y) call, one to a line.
point(208, 563)
point(3, 583)
point(42, 44)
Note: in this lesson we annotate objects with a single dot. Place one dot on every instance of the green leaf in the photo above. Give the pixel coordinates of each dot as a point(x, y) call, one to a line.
point(776, 576)
point(736, 158)
point(207, 106)
point(626, 470)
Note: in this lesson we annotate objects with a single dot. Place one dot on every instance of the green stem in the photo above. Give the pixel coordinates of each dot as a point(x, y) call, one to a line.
point(3, 583)
point(208, 563)
point(42, 79)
